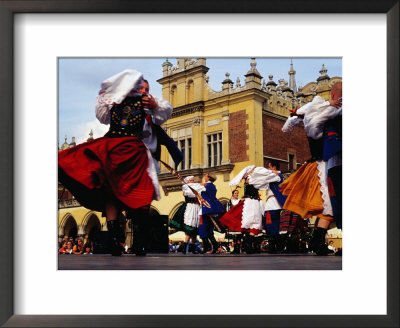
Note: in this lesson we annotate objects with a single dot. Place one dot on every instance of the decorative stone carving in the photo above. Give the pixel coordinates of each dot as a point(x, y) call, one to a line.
point(227, 83)
point(188, 62)
point(197, 121)
point(263, 85)
point(324, 76)
point(323, 70)
point(171, 188)
point(65, 203)
point(216, 121)
point(238, 82)
point(333, 81)
point(253, 65)
point(225, 115)
point(188, 109)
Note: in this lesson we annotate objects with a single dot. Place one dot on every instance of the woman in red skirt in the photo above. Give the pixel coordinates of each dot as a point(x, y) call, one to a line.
point(246, 216)
point(116, 172)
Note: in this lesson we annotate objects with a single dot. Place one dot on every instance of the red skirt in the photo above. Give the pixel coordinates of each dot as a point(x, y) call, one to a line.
point(233, 218)
point(107, 167)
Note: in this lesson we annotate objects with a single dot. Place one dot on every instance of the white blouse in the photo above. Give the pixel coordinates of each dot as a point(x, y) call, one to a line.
point(316, 114)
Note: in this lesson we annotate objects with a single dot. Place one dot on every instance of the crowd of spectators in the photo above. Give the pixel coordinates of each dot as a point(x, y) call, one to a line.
point(75, 246)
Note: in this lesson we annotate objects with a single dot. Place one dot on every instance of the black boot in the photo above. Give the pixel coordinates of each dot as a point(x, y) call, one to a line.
point(116, 237)
point(281, 242)
point(184, 248)
point(256, 246)
point(248, 244)
point(139, 221)
point(192, 248)
point(214, 243)
point(317, 243)
point(206, 246)
point(272, 245)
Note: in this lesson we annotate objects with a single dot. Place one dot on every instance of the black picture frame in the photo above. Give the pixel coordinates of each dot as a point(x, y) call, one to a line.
point(7, 11)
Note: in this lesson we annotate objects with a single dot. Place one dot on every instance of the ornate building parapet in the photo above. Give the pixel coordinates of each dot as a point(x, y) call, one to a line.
point(65, 203)
point(227, 84)
point(181, 65)
point(188, 109)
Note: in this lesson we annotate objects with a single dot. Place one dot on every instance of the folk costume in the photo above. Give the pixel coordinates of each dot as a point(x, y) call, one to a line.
point(246, 216)
point(273, 207)
point(206, 227)
point(315, 188)
point(232, 202)
point(187, 217)
point(118, 166)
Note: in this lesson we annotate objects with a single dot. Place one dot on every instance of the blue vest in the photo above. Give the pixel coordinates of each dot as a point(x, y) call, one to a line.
point(210, 196)
point(332, 138)
point(274, 186)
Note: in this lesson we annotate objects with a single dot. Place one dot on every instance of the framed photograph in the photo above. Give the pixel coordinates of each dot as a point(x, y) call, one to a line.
point(36, 34)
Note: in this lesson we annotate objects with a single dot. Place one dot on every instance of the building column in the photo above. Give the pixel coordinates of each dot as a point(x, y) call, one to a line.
point(225, 138)
point(81, 230)
point(61, 233)
point(197, 143)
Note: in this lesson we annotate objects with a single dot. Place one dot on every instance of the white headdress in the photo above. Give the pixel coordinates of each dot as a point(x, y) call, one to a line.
point(114, 90)
point(188, 178)
point(236, 180)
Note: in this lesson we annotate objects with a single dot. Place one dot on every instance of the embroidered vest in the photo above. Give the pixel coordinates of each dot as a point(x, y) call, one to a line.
point(250, 192)
point(127, 118)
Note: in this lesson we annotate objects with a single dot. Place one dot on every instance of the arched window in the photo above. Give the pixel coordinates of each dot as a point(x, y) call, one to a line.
point(173, 95)
point(70, 228)
point(92, 227)
point(175, 209)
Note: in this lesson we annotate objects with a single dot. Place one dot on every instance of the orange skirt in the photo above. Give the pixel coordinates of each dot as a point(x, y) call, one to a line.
point(303, 191)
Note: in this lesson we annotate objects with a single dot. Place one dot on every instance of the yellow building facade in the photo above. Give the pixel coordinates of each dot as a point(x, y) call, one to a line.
point(224, 131)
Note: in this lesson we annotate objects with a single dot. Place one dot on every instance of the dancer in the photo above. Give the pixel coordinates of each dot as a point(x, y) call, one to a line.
point(309, 189)
point(209, 214)
point(187, 217)
point(246, 216)
point(153, 136)
point(116, 172)
point(234, 200)
point(273, 207)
